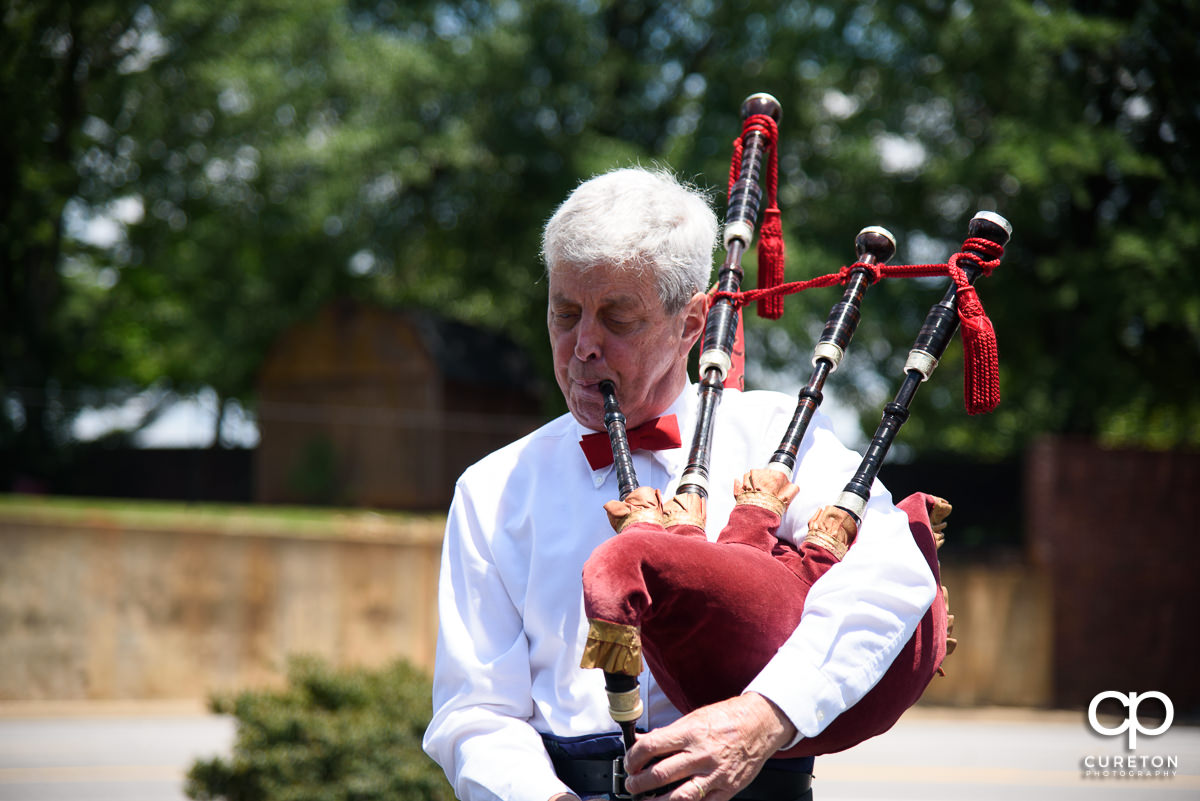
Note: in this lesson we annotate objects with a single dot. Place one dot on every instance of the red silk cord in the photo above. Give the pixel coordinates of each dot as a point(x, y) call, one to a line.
point(981, 370)
point(771, 250)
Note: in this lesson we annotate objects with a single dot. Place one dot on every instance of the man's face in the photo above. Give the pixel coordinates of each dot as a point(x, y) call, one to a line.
point(609, 324)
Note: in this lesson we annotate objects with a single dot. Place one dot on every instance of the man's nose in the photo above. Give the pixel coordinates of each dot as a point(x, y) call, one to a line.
point(588, 340)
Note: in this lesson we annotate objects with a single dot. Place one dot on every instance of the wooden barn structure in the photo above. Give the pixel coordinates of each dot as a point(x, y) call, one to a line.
point(374, 407)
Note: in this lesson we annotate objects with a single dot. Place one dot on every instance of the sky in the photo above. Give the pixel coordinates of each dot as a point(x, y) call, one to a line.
point(186, 423)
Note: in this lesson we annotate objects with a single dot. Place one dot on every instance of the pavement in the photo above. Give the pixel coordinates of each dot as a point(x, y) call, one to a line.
point(140, 751)
point(105, 751)
point(938, 754)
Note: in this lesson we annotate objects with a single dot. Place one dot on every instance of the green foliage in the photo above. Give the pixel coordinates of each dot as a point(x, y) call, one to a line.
point(314, 478)
point(266, 157)
point(1067, 119)
point(350, 735)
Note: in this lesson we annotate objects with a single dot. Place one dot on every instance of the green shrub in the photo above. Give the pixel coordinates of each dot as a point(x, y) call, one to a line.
point(352, 735)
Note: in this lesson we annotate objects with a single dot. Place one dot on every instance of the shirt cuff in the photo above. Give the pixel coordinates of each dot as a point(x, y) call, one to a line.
point(806, 697)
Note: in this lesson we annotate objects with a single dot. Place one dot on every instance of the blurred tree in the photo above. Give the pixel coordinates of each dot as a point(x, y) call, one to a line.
point(43, 72)
point(251, 159)
point(1070, 120)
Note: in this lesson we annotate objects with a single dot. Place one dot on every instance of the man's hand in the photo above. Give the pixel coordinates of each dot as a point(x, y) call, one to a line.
point(717, 749)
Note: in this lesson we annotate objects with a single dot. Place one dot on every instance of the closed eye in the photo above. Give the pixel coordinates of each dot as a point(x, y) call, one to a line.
point(620, 324)
point(564, 318)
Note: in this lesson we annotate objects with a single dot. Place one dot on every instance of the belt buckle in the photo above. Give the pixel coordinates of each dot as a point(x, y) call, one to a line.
point(618, 780)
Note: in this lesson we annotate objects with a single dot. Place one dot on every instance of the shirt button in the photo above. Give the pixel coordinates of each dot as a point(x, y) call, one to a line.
point(820, 715)
point(598, 481)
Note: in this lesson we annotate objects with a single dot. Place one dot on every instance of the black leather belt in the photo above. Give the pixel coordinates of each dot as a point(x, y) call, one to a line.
point(593, 777)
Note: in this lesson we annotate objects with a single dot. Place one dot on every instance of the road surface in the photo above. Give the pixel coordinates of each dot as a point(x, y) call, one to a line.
point(140, 752)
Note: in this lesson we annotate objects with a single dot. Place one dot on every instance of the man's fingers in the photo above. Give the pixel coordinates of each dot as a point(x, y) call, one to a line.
point(715, 750)
point(671, 770)
point(665, 757)
point(656, 744)
point(693, 790)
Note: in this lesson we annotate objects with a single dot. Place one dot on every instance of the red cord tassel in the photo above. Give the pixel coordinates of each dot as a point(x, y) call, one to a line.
point(771, 256)
point(981, 358)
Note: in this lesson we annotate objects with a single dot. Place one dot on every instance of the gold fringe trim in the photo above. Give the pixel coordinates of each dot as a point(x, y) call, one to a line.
point(683, 518)
point(833, 529)
point(761, 499)
point(685, 510)
point(938, 513)
point(834, 546)
point(640, 515)
point(613, 647)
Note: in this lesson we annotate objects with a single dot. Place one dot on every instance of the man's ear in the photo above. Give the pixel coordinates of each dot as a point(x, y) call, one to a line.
point(694, 314)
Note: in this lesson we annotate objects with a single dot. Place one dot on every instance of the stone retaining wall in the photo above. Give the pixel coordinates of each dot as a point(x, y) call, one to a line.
point(96, 607)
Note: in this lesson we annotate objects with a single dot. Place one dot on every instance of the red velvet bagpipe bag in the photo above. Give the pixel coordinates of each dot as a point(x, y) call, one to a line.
point(708, 616)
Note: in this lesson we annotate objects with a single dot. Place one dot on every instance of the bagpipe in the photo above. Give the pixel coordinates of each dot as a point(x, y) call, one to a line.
point(661, 591)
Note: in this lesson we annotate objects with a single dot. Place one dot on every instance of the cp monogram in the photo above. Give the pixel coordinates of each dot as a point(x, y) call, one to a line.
point(1131, 723)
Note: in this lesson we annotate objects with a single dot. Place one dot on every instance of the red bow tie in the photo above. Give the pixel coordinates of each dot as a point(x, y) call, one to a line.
point(653, 435)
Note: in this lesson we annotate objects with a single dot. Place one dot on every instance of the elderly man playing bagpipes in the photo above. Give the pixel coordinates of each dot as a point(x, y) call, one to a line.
point(797, 618)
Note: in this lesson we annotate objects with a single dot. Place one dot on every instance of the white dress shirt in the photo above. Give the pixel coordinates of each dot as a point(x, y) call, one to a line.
point(511, 622)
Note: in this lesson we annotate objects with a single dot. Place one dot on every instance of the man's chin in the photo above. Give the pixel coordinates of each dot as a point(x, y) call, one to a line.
point(588, 409)
point(589, 418)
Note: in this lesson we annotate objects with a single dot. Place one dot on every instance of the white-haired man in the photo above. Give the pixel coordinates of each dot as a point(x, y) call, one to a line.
point(628, 256)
